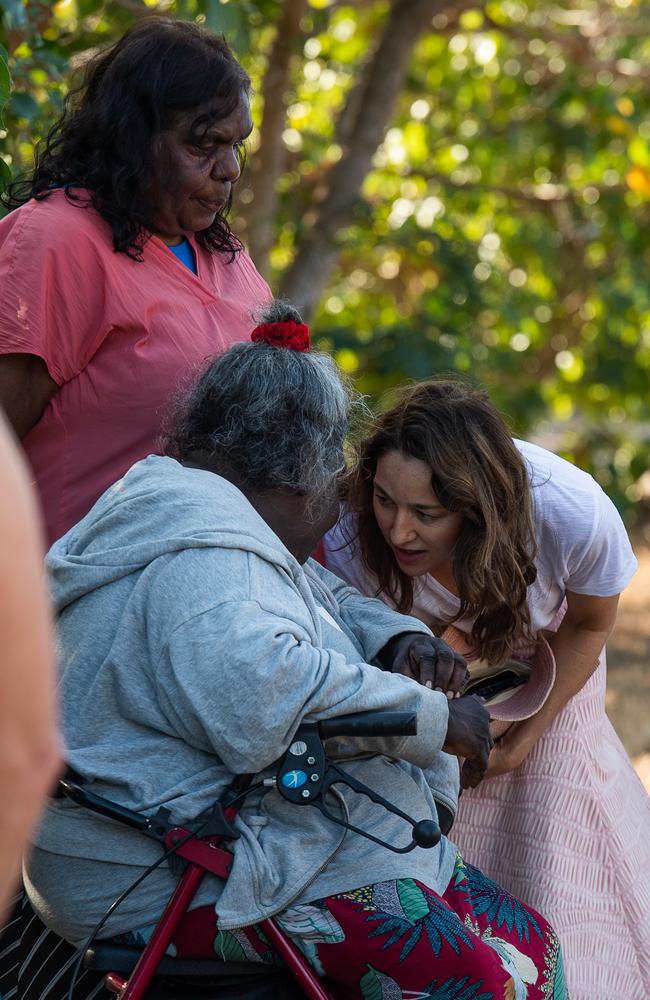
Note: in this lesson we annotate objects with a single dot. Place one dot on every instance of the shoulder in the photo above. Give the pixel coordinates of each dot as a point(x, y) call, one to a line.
point(55, 223)
point(229, 592)
point(546, 468)
point(580, 534)
point(343, 536)
point(561, 492)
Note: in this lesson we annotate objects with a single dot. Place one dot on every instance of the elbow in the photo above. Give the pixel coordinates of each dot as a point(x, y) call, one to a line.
point(256, 755)
point(29, 771)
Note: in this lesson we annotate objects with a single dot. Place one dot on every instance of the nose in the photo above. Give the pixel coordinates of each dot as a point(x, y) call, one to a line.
point(227, 167)
point(402, 530)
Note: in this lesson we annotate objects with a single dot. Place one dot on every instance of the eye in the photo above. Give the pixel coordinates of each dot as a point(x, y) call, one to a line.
point(427, 518)
point(200, 149)
point(383, 500)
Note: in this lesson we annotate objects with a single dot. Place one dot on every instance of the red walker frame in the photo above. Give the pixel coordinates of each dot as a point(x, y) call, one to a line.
point(205, 854)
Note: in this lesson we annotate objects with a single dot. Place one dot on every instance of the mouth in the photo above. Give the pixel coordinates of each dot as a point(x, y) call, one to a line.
point(212, 205)
point(408, 556)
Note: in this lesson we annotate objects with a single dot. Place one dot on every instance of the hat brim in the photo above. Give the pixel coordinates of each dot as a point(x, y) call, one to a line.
point(527, 699)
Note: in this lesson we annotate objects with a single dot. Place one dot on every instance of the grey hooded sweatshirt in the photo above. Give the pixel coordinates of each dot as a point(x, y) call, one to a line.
point(192, 645)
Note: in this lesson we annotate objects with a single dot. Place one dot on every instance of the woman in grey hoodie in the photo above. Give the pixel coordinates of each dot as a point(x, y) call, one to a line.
point(196, 635)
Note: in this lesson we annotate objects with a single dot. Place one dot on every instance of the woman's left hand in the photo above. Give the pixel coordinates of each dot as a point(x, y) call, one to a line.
point(428, 660)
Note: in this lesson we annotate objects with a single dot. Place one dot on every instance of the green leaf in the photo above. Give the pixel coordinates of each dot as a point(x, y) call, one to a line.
point(228, 948)
point(24, 106)
point(5, 83)
point(5, 174)
point(413, 901)
point(376, 985)
point(559, 982)
point(370, 985)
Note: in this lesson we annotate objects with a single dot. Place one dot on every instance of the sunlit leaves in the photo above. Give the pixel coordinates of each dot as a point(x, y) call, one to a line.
point(502, 230)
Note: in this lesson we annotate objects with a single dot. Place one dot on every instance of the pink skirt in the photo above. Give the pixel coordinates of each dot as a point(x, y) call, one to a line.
point(568, 832)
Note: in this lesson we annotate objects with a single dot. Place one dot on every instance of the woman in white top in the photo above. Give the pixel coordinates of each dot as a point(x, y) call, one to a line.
point(452, 520)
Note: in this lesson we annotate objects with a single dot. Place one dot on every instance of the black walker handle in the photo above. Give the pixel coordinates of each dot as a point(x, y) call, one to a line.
point(97, 803)
point(370, 724)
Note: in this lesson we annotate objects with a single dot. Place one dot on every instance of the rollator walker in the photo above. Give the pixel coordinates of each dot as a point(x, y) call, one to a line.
point(303, 776)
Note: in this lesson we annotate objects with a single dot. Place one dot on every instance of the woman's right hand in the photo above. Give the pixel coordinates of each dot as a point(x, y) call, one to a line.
point(468, 736)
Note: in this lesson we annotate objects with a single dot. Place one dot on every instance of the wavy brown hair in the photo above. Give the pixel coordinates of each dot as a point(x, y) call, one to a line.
point(476, 471)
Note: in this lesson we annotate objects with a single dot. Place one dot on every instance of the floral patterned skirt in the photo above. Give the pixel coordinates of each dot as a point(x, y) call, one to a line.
point(399, 939)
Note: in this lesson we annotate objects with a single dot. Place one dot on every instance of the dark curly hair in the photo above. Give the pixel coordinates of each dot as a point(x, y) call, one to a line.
point(130, 93)
point(476, 471)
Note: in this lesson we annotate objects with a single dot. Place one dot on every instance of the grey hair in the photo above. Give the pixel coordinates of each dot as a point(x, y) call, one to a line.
point(275, 417)
point(278, 311)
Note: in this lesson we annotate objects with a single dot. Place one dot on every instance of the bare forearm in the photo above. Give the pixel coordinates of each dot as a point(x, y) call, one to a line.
point(576, 653)
point(25, 390)
point(27, 773)
point(576, 650)
point(29, 751)
point(576, 645)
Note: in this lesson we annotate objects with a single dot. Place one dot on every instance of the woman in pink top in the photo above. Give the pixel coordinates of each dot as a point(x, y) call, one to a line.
point(119, 274)
point(453, 521)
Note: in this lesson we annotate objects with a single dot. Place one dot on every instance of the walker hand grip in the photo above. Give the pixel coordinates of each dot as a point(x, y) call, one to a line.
point(370, 724)
point(97, 803)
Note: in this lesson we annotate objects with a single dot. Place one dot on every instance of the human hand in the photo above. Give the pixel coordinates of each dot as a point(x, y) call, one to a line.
point(428, 660)
point(509, 751)
point(468, 736)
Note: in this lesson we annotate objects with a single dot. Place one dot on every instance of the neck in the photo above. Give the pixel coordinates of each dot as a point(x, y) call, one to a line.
point(444, 575)
point(283, 511)
point(171, 241)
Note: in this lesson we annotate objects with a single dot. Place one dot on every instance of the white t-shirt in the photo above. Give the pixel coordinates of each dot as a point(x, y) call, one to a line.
point(582, 544)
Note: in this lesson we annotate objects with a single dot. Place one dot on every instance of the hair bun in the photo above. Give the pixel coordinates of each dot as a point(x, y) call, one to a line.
point(283, 333)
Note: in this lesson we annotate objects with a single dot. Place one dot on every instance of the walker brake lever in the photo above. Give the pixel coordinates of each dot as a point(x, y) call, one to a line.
point(305, 775)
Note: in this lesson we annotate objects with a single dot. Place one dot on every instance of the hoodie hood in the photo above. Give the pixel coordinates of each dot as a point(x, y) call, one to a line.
point(157, 508)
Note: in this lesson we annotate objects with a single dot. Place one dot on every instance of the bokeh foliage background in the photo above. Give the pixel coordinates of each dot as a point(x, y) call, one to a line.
point(440, 186)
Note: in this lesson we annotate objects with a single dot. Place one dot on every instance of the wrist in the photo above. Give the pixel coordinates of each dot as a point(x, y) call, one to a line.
point(388, 653)
point(520, 738)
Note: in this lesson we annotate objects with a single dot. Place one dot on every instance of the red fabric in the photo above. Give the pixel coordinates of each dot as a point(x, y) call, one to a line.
point(289, 334)
point(400, 938)
point(120, 338)
point(319, 554)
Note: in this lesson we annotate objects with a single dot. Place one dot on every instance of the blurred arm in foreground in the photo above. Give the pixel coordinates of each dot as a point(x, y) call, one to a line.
point(29, 748)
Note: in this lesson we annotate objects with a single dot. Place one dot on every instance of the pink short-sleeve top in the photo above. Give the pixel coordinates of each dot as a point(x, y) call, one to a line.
point(119, 338)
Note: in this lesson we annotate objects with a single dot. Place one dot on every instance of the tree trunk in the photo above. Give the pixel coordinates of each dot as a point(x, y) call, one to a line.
point(381, 83)
point(268, 163)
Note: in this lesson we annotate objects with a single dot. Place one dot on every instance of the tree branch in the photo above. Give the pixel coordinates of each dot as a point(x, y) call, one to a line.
point(270, 159)
point(531, 195)
point(577, 46)
point(382, 82)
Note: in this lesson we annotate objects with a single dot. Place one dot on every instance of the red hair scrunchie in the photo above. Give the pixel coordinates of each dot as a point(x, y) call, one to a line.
point(287, 333)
